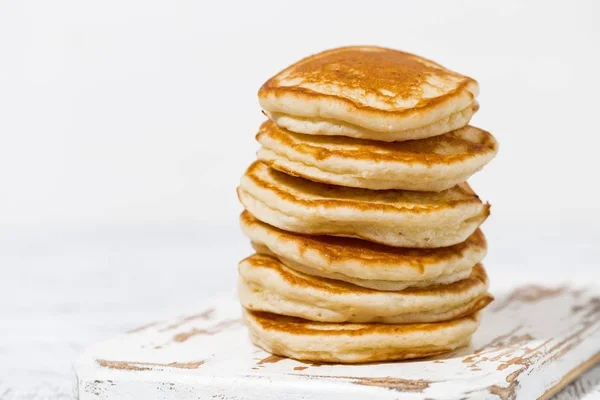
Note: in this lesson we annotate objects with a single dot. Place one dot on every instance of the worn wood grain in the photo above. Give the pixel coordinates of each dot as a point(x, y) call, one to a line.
point(533, 341)
point(63, 290)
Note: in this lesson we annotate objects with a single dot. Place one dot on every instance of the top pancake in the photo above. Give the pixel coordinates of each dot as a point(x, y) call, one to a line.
point(369, 92)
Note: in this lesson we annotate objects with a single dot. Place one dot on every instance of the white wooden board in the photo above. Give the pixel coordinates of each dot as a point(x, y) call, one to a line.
point(532, 342)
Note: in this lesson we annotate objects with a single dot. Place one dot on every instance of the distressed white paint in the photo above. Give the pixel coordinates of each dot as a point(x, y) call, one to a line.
point(63, 290)
point(548, 332)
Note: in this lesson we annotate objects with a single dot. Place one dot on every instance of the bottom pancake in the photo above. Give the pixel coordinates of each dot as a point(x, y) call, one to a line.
point(356, 343)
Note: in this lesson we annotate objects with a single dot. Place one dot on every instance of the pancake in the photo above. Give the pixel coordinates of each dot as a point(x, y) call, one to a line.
point(266, 284)
point(313, 126)
point(364, 263)
point(391, 217)
point(369, 92)
point(432, 164)
point(356, 343)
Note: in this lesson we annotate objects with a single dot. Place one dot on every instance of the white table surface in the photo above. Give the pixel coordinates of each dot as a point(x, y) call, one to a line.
point(63, 289)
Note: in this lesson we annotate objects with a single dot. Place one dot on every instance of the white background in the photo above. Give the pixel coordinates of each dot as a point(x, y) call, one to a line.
point(125, 126)
point(145, 111)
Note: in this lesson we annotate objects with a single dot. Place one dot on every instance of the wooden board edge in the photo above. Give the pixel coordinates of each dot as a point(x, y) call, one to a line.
point(570, 377)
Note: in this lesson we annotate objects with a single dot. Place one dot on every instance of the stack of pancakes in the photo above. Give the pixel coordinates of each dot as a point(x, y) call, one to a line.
point(366, 233)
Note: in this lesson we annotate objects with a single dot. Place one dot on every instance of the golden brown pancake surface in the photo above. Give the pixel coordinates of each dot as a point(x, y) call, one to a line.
point(356, 343)
point(369, 92)
point(301, 326)
point(364, 263)
point(396, 79)
point(478, 277)
point(392, 217)
point(266, 284)
point(451, 147)
point(369, 254)
point(312, 194)
point(432, 164)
